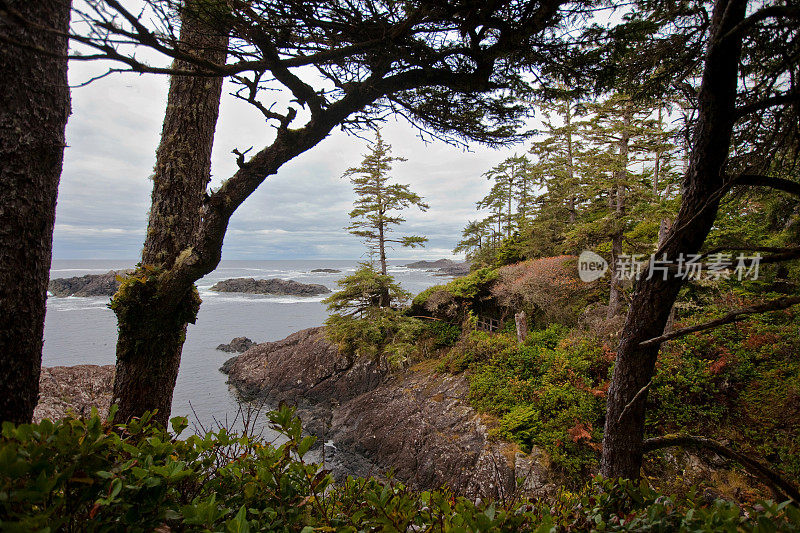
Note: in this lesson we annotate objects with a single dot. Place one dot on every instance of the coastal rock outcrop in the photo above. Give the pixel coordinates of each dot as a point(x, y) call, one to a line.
point(74, 388)
point(237, 345)
point(416, 422)
point(275, 286)
point(88, 285)
point(326, 270)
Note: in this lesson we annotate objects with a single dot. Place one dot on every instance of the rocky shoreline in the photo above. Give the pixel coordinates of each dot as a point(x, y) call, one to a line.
point(274, 286)
point(416, 422)
point(74, 388)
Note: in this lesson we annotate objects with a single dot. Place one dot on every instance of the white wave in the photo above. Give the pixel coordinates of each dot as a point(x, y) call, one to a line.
point(239, 297)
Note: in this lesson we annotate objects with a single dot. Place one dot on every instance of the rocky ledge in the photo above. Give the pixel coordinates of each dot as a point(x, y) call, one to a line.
point(326, 270)
point(445, 267)
point(416, 422)
point(74, 388)
point(275, 286)
point(89, 285)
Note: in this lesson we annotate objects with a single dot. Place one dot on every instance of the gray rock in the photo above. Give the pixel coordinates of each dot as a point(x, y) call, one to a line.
point(439, 263)
point(237, 345)
point(89, 285)
point(74, 388)
point(326, 270)
point(275, 286)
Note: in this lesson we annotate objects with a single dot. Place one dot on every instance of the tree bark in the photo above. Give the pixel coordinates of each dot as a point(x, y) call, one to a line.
point(33, 114)
point(615, 294)
point(153, 318)
point(653, 298)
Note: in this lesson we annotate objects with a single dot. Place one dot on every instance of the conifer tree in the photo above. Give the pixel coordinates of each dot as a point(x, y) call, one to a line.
point(376, 210)
point(625, 145)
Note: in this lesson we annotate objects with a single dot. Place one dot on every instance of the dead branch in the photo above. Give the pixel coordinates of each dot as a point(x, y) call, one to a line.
point(780, 486)
point(733, 316)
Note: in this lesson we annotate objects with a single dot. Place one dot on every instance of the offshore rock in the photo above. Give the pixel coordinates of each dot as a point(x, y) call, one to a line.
point(237, 345)
point(89, 285)
point(444, 267)
point(326, 270)
point(275, 286)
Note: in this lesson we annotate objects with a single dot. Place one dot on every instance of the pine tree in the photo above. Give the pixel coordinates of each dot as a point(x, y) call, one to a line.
point(624, 168)
point(376, 210)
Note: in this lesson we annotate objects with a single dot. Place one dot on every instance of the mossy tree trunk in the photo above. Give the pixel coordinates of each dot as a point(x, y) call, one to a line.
point(653, 298)
point(153, 315)
point(34, 108)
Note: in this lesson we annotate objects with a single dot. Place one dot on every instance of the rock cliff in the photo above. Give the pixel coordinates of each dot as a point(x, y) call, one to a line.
point(74, 388)
point(416, 422)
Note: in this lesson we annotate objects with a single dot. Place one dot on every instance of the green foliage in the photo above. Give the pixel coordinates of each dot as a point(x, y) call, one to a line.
point(361, 327)
point(740, 382)
point(363, 290)
point(377, 207)
point(380, 334)
point(545, 392)
point(142, 286)
point(472, 285)
point(444, 333)
point(88, 475)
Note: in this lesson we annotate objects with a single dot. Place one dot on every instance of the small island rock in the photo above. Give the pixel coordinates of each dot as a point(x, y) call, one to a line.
point(445, 267)
point(275, 286)
point(326, 270)
point(237, 345)
point(88, 285)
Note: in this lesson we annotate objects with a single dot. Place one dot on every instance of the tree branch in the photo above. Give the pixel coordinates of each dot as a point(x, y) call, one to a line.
point(756, 180)
point(733, 316)
point(771, 478)
point(778, 99)
point(758, 16)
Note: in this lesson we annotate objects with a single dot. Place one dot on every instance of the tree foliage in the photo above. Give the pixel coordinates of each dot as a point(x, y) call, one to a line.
point(379, 202)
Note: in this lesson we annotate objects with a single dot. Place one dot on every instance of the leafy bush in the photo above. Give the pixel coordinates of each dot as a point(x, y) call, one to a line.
point(444, 333)
point(89, 475)
point(547, 392)
point(361, 327)
point(381, 334)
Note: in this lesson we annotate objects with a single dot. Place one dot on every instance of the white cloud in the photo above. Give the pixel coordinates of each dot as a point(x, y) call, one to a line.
point(298, 213)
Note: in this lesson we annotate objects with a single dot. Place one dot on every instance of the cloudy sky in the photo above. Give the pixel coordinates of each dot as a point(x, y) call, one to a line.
point(297, 214)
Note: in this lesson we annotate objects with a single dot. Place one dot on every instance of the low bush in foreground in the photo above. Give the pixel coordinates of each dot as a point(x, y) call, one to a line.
point(91, 475)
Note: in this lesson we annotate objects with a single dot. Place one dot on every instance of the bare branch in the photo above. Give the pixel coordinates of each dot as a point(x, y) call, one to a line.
point(756, 180)
point(772, 101)
point(771, 478)
point(758, 16)
point(733, 316)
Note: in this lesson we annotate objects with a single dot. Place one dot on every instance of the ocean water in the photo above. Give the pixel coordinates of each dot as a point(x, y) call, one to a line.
point(83, 330)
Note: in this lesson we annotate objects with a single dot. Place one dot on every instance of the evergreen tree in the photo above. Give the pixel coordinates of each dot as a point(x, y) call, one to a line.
point(379, 202)
point(625, 148)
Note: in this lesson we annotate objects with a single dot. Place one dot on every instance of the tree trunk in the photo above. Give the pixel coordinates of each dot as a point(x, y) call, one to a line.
point(570, 164)
point(653, 298)
point(33, 114)
point(615, 295)
point(384, 297)
point(521, 321)
point(152, 319)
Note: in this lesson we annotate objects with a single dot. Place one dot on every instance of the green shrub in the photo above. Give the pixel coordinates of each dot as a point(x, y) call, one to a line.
point(444, 333)
point(545, 392)
point(89, 475)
